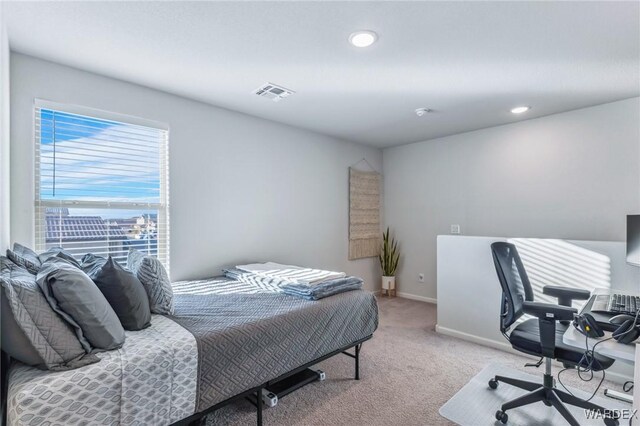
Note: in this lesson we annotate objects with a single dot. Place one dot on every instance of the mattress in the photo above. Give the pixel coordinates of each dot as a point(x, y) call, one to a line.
point(224, 338)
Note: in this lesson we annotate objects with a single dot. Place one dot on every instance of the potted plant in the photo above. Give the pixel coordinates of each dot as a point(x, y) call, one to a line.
point(389, 257)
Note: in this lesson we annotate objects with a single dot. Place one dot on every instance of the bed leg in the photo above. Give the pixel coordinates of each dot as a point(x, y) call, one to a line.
point(259, 406)
point(358, 361)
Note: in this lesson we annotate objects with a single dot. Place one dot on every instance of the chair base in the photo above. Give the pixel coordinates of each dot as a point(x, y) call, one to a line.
point(548, 394)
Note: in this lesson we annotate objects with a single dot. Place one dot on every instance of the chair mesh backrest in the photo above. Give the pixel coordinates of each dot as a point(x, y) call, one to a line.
point(514, 281)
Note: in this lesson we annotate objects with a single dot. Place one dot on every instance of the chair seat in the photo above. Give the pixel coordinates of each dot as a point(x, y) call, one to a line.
point(525, 337)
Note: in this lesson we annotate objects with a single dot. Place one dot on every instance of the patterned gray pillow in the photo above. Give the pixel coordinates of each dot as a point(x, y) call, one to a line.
point(25, 257)
point(154, 279)
point(31, 331)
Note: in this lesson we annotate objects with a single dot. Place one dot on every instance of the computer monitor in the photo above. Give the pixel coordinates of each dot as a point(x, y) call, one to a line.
point(633, 239)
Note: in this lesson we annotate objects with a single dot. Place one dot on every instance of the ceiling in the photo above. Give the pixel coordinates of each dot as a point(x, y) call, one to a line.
point(468, 61)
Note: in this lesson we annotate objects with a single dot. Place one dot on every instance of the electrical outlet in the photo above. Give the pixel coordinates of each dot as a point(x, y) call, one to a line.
point(455, 229)
point(421, 277)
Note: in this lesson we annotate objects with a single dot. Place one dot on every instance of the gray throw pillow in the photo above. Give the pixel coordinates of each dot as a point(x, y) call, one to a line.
point(31, 331)
point(73, 295)
point(25, 257)
point(91, 263)
point(59, 252)
point(155, 280)
point(125, 294)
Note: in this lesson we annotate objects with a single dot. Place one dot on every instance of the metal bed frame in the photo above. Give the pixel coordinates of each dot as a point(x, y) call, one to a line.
point(195, 418)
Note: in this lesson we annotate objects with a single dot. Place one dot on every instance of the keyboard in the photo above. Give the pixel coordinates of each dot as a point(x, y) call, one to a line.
point(616, 304)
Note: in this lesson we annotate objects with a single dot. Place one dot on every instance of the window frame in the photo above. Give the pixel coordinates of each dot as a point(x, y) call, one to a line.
point(40, 205)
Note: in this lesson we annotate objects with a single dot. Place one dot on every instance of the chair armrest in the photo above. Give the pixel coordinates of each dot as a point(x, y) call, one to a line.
point(548, 314)
point(549, 311)
point(566, 295)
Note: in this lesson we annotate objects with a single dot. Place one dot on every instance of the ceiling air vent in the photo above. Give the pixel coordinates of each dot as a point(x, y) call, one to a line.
point(273, 92)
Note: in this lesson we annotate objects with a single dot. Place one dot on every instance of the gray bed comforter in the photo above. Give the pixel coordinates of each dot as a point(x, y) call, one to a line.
point(226, 337)
point(246, 340)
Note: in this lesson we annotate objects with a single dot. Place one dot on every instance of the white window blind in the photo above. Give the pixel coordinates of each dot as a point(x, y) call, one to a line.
point(101, 184)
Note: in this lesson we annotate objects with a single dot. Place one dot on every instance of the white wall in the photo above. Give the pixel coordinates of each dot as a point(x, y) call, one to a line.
point(4, 135)
point(467, 280)
point(573, 175)
point(469, 294)
point(242, 189)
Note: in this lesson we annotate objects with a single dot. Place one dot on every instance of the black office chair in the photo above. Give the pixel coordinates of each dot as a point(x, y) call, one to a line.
point(541, 336)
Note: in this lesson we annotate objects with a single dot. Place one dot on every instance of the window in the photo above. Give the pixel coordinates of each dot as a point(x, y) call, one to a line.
point(101, 183)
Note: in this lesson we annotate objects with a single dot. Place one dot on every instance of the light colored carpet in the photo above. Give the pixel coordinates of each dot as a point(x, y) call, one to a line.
point(468, 407)
point(408, 371)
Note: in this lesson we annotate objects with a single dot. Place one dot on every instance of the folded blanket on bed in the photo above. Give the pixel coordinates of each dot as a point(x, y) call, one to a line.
point(326, 289)
point(292, 288)
point(269, 284)
point(295, 274)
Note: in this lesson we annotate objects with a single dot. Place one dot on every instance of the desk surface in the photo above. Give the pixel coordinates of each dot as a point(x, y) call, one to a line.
point(610, 348)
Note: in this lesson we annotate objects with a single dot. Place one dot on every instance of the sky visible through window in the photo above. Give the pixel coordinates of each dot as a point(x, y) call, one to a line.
point(101, 186)
point(89, 159)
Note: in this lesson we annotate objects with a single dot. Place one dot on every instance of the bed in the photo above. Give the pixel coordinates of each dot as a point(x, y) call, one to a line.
point(226, 340)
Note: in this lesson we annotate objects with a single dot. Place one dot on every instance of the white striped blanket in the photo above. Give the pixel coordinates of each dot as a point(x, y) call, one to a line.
point(240, 282)
point(304, 291)
point(222, 285)
point(290, 273)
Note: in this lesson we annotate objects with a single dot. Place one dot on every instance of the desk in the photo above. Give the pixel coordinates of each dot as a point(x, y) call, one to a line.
point(611, 349)
point(636, 379)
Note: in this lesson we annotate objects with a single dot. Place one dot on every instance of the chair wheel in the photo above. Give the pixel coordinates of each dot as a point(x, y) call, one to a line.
point(547, 403)
point(502, 416)
point(493, 383)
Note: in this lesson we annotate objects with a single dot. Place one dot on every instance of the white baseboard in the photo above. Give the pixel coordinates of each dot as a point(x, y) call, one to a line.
point(420, 298)
point(476, 339)
point(614, 376)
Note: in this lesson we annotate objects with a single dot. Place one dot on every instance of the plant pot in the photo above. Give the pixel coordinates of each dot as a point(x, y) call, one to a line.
point(388, 283)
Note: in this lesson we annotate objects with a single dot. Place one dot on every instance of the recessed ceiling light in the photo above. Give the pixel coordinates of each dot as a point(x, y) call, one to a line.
point(520, 109)
point(363, 38)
